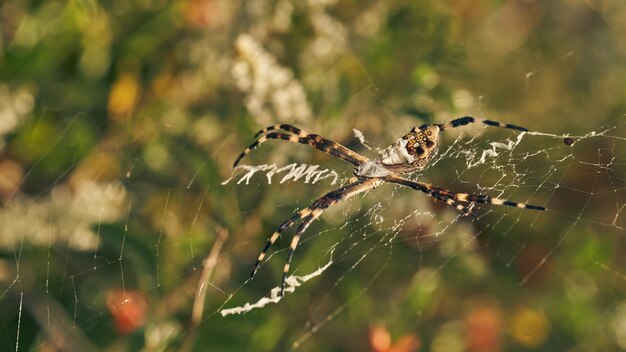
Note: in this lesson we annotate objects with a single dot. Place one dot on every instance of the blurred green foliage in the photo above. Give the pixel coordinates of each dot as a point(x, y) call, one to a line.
point(121, 120)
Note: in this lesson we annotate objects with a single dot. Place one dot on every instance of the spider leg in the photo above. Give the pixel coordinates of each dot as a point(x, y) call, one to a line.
point(479, 198)
point(270, 241)
point(318, 207)
point(316, 141)
point(439, 194)
point(294, 243)
point(442, 193)
point(282, 126)
point(466, 120)
point(309, 215)
point(458, 206)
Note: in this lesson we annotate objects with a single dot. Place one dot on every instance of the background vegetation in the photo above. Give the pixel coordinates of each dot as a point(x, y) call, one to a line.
point(120, 120)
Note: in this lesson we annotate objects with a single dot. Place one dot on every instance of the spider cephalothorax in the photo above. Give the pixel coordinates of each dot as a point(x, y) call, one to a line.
point(410, 153)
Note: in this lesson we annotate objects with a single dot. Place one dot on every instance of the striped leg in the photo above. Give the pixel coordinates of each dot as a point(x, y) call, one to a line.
point(318, 207)
point(299, 136)
point(442, 193)
point(431, 191)
point(478, 198)
point(270, 241)
point(294, 243)
point(281, 126)
point(311, 213)
point(466, 120)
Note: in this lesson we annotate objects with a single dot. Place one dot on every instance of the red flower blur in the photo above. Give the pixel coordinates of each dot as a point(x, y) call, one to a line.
point(128, 309)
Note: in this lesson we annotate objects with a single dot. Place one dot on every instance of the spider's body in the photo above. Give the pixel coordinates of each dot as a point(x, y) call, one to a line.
point(410, 153)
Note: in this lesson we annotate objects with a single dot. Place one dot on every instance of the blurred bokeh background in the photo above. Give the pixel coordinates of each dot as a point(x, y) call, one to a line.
point(120, 120)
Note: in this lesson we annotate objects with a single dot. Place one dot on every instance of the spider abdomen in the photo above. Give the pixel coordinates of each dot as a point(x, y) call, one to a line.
point(413, 151)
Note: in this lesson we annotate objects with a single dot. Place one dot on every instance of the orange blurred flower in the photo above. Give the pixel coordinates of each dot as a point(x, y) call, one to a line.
point(380, 340)
point(128, 309)
point(484, 328)
point(205, 13)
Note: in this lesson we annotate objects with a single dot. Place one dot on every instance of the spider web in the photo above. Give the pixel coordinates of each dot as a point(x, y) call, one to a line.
point(498, 168)
point(360, 241)
point(145, 244)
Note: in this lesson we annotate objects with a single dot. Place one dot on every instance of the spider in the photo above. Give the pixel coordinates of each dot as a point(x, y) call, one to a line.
point(410, 153)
